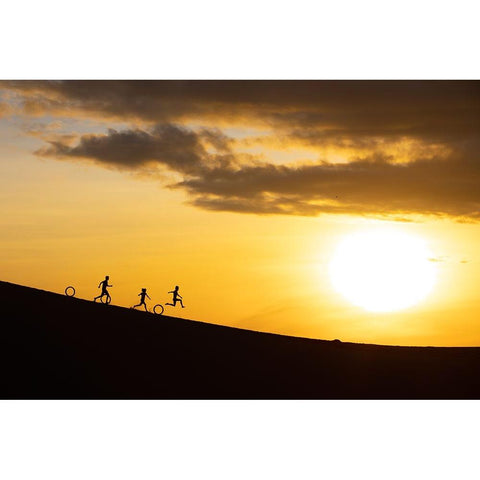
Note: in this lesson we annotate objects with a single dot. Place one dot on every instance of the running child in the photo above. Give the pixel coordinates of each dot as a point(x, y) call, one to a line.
point(176, 298)
point(104, 285)
point(142, 296)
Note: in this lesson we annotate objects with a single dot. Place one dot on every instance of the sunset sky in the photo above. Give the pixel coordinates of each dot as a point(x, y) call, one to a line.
point(241, 192)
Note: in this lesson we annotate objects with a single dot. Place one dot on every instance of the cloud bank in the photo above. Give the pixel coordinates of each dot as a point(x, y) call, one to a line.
point(440, 121)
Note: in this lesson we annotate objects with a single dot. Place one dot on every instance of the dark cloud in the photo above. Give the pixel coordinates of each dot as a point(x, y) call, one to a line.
point(219, 180)
point(439, 122)
point(435, 109)
point(172, 146)
point(364, 187)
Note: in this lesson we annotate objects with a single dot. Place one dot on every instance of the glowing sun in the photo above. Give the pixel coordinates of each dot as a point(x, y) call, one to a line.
point(383, 271)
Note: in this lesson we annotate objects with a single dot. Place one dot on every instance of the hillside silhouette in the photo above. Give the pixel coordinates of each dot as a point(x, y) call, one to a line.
point(56, 347)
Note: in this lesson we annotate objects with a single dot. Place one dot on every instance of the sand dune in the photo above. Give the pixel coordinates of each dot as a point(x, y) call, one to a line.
point(56, 347)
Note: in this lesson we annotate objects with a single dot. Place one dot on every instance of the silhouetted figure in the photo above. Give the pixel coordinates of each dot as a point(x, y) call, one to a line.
point(104, 285)
point(176, 298)
point(142, 296)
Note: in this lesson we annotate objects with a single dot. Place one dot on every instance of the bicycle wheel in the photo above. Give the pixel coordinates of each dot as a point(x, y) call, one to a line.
point(158, 309)
point(106, 299)
point(70, 291)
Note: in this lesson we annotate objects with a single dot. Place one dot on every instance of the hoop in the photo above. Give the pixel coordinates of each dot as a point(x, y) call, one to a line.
point(158, 309)
point(70, 291)
point(107, 300)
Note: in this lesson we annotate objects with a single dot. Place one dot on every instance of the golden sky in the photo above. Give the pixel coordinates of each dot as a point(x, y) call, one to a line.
point(240, 193)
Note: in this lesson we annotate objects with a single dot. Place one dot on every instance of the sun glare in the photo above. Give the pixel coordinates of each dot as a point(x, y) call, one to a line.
point(383, 271)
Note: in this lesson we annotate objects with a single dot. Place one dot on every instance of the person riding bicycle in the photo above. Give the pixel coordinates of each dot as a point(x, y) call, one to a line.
point(142, 296)
point(176, 298)
point(104, 284)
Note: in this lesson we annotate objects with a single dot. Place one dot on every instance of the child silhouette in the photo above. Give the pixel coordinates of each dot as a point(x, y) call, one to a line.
point(176, 298)
point(142, 296)
point(104, 285)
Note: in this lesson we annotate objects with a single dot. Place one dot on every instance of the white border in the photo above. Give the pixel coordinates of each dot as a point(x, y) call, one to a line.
point(238, 439)
point(222, 40)
point(345, 39)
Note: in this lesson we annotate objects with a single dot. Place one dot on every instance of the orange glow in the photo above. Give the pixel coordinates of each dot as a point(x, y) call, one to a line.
point(70, 218)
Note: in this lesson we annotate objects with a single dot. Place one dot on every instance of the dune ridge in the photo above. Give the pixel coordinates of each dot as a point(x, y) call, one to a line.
point(56, 347)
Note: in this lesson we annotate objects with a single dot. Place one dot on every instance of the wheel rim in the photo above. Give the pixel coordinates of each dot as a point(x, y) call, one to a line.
point(70, 291)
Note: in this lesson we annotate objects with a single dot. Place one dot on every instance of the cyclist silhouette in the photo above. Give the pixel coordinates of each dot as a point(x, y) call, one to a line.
point(142, 296)
point(176, 298)
point(104, 284)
